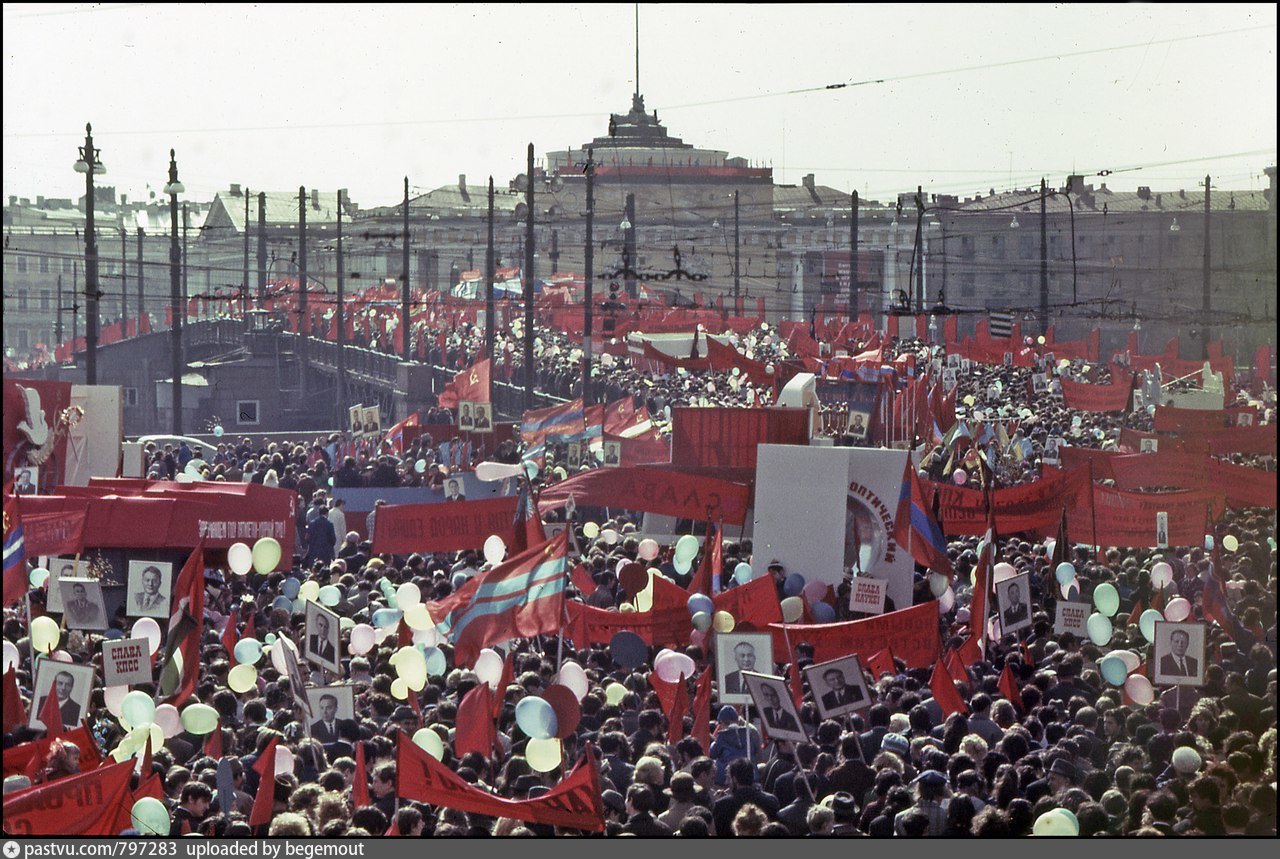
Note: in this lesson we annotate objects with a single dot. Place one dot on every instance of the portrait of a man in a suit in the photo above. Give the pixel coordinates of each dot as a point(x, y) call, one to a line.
point(841, 694)
point(1015, 611)
point(325, 729)
point(63, 685)
point(81, 611)
point(775, 717)
point(319, 644)
point(483, 421)
point(148, 597)
point(1176, 662)
point(744, 654)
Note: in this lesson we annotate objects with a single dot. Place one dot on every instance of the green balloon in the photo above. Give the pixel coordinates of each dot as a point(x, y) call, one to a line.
point(1106, 599)
point(266, 555)
point(1099, 628)
point(1147, 623)
point(137, 709)
point(150, 817)
point(200, 719)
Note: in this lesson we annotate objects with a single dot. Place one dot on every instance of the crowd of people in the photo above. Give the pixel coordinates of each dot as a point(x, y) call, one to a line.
point(1192, 761)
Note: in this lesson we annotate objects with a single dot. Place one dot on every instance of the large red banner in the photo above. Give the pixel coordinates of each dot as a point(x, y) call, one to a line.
point(654, 490)
point(1098, 398)
point(1128, 519)
point(1243, 486)
point(1171, 419)
point(574, 803)
point(93, 803)
point(912, 633)
point(1095, 462)
point(1029, 507)
point(406, 528)
point(54, 533)
point(728, 437)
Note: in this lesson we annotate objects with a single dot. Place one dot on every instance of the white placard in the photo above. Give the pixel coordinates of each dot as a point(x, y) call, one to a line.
point(1073, 617)
point(126, 662)
point(1162, 530)
point(867, 595)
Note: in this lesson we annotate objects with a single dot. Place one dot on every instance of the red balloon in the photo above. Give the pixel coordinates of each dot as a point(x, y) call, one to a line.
point(565, 704)
point(634, 578)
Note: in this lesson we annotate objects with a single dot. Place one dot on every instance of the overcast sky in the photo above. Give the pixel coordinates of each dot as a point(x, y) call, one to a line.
point(358, 96)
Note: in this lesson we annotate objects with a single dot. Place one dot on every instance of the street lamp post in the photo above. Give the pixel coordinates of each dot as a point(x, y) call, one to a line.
point(89, 165)
point(173, 189)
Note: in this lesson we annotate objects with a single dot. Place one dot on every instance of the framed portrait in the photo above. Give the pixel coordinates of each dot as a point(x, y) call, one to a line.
point(574, 456)
point(454, 489)
point(1244, 419)
point(838, 686)
point(329, 706)
point(1039, 383)
point(70, 685)
point(59, 569)
point(150, 586)
point(466, 415)
point(82, 603)
point(953, 360)
point(1052, 450)
point(613, 454)
point(859, 423)
point(26, 480)
point(322, 637)
point(949, 379)
point(293, 671)
point(1179, 656)
point(355, 415)
point(483, 418)
point(1149, 445)
point(777, 710)
point(737, 653)
point(1008, 359)
point(1162, 530)
point(373, 420)
point(1014, 599)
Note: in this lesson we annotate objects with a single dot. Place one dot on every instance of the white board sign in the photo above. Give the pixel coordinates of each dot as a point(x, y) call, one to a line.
point(867, 595)
point(126, 662)
point(1073, 617)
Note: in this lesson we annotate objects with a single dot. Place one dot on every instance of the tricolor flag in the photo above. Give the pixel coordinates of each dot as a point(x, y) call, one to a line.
point(395, 436)
point(565, 420)
point(520, 598)
point(915, 528)
point(178, 682)
point(15, 552)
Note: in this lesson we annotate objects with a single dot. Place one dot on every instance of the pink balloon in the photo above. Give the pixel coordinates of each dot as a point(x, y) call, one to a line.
point(1177, 610)
point(960, 476)
point(1004, 571)
point(1161, 575)
point(814, 591)
point(1139, 689)
point(671, 666)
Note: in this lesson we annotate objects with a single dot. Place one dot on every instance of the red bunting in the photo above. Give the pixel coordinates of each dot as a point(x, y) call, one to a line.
point(360, 780)
point(944, 692)
point(22, 758)
point(94, 803)
point(913, 632)
point(15, 715)
point(1008, 686)
point(476, 731)
point(264, 802)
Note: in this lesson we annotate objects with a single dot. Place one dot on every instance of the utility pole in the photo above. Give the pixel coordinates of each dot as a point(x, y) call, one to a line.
point(853, 258)
point(174, 188)
point(489, 275)
point(1205, 327)
point(186, 293)
point(304, 319)
point(342, 325)
point(57, 323)
point(244, 281)
point(630, 257)
point(737, 255)
point(404, 285)
point(555, 251)
point(262, 247)
point(142, 307)
point(1044, 263)
point(589, 280)
point(89, 164)
point(75, 308)
point(919, 248)
point(124, 281)
point(529, 374)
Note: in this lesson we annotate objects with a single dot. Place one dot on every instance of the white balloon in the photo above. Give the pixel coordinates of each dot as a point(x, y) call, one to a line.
point(277, 654)
point(494, 549)
point(408, 594)
point(489, 667)
point(113, 697)
point(169, 720)
point(284, 760)
point(572, 676)
point(240, 558)
point(11, 657)
point(146, 627)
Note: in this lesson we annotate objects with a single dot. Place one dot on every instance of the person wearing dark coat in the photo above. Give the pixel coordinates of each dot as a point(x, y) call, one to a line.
point(743, 791)
point(640, 819)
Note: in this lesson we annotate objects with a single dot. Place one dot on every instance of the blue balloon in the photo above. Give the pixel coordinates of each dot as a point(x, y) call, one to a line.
point(247, 651)
point(742, 573)
point(436, 663)
point(536, 718)
point(628, 649)
point(1113, 670)
point(282, 602)
point(1065, 573)
point(289, 587)
point(459, 579)
point(822, 612)
point(1073, 593)
point(384, 617)
point(793, 584)
point(701, 602)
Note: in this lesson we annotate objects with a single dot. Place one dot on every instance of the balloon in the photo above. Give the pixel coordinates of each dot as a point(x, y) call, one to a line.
point(362, 639)
point(492, 471)
point(822, 612)
point(686, 547)
point(572, 677)
point(218, 430)
point(38, 577)
point(240, 558)
point(489, 667)
point(60, 656)
point(531, 469)
point(1208, 542)
point(700, 603)
point(330, 595)
point(411, 667)
point(1177, 610)
point(742, 573)
point(564, 703)
point(814, 591)
point(290, 587)
point(45, 634)
point(792, 610)
point(1139, 689)
point(428, 637)
point(277, 654)
point(200, 719)
point(1065, 573)
point(969, 399)
point(609, 536)
point(947, 601)
point(283, 603)
point(960, 476)
point(1186, 759)
point(150, 817)
point(113, 696)
point(247, 651)
point(938, 584)
point(1147, 623)
point(1161, 575)
point(310, 591)
point(1106, 599)
point(1230, 543)
point(1099, 628)
point(137, 709)
point(1003, 571)
point(494, 549)
point(429, 741)
point(614, 693)
point(591, 530)
point(1070, 590)
point(536, 718)
point(722, 621)
point(701, 621)
point(1130, 659)
point(648, 549)
point(284, 761)
point(266, 555)
point(1113, 669)
point(386, 618)
point(242, 678)
point(400, 689)
point(628, 649)
point(793, 585)
point(436, 663)
point(543, 755)
point(1057, 823)
point(634, 578)
point(408, 594)
point(682, 565)
point(672, 666)
point(169, 720)
point(11, 658)
point(417, 617)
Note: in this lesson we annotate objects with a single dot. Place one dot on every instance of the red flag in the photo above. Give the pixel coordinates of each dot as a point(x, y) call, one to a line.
point(265, 767)
point(582, 580)
point(145, 769)
point(213, 743)
point(665, 690)
point(702, 711)
point(527, 527)
point(675, 714)
point(575, 803)
point(185, 627)
point(250, 626)
point(707, 578)
point(51, 716)
point(95, 803)
point(229, 631)
point(753, 605)
point(475, 729)
point(15, 715)
point(956, 668)
point(404, 635)
point(395, 435)
point(795, 687)
point(1008, 686)
point(944, 692)
point(472, 384)
point(393, 831)
point(505, 680)
point(1139, 606)
point(28, 757)
point(360, 780)
point(15, 553)
point(969, 653)
point(881, 663)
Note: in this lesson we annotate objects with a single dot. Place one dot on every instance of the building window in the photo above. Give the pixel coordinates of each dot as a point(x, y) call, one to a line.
point(22, 265)
point(44, 299)
point(24, 339)
point(130, 397)
point(966, 286)
point(44, 265)
point(22, 299)
point(247, 412)
point(68, 266)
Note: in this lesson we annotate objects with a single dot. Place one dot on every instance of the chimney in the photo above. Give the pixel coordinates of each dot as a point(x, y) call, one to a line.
point(1159, 204)
point(462, 182)
point(1182, 193)
point(1144, 192)
point(1270, 191)
point(13, 199)
point(1075, 184)
point(808, 181)
point(235, 189)
point(39, 202)
point(315, 199)
point(342, 197)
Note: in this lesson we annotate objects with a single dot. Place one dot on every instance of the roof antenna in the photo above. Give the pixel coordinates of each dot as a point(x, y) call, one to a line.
point(637, 52)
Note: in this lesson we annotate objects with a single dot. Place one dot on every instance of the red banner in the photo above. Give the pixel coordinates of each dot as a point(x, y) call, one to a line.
point(54, 533)
point(728, 437)
point(725, 358)
point(449, 527)
point(1093, 461)
point(1029, 507)
point(1254, 439)
point(911, 632)
point(19, 758)
point(31, 411)
point(1243, 486)
point(574, 803)
point(1098, 398)
point(641, 451)
point(1171, 419)
point(93, 803)
point(1128, 519)
point(590, 625)
point(654, 490)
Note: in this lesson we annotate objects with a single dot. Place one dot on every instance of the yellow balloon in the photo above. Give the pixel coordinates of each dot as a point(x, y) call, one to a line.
point(591, 530)
point(613, 693)
point(792, 609)
point(45, 634)
point(400, 689)
point(417, 617)
point(626, 607)
point(242, 678)
point(543, 755)
point(722, 621)
point(644, 599)
point(1230, 543)
point(309, 591)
